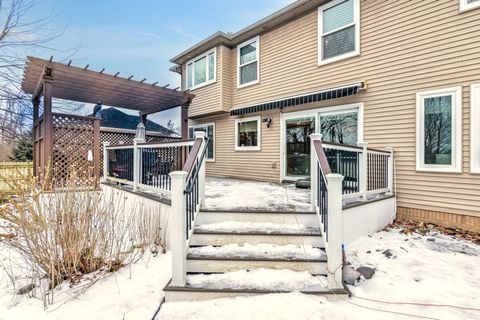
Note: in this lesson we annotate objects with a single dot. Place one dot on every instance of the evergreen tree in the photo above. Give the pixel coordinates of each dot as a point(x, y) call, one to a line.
point(23, 150)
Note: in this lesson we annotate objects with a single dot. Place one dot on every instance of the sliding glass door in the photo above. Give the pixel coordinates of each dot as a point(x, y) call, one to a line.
point(339, 127)
point(297, 146)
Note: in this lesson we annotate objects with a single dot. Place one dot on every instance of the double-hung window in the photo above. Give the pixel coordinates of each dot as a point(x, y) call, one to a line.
point(201, 70)
point(469, 4)
point(439, 132)
point(475, 128)
point(248, 66)
point(209, 128)
point(338, 30)
point(247, 133)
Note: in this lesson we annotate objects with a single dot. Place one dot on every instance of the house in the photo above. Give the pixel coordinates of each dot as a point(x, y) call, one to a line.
point(401, 74)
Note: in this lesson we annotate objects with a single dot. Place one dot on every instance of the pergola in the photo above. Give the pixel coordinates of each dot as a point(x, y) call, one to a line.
point(49, 79)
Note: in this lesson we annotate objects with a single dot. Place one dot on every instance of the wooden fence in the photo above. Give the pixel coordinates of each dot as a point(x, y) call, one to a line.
point(13, 171)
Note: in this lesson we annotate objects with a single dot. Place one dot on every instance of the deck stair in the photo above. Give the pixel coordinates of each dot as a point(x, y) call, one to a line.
point(249, 244)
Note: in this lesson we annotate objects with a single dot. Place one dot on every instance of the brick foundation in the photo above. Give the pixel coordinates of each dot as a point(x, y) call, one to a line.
point(440, 218)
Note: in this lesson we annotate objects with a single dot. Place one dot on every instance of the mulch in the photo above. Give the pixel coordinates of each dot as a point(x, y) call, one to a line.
point(410, 226)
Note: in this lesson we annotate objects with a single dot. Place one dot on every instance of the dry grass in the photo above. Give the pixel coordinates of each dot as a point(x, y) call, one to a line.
point(70, 232)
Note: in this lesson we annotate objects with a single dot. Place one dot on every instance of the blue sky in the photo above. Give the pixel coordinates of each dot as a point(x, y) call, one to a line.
point(139, 37)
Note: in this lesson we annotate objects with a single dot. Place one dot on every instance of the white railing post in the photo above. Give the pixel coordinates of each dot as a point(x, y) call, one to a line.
point(201, 172)
point(334, 231)
point(363, 176)
point(136, 163)
point(313, 170)
point(177, 239)
point(105, 160)
point(390, 171)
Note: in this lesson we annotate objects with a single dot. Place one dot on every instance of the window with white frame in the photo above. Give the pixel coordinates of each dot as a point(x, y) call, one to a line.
point(475, 128)
point(248, 62)
point(439, 132)
point(201, 70)
point(247, 133)
point(209, 128)
point(469, 4)
point(338, 30)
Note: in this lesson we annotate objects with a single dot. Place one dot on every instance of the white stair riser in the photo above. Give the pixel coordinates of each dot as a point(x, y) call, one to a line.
point(224, 239)
point(310, 220)
point(207, 266)
point(172, 296)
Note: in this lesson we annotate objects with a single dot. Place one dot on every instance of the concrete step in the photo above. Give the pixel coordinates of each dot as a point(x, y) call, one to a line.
point(214, 264)
point(216, 238)
point(188, 293)
point(289, 217)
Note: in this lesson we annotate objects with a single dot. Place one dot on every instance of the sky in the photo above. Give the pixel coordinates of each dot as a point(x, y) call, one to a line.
point(140, 37)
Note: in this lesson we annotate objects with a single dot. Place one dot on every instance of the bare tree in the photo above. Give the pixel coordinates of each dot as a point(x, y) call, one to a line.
point(22, 30)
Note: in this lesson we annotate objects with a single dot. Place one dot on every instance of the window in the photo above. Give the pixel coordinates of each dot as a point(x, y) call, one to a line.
point(247, 133)
point(469, 4)
point(475, 125)
point(201, 70)
point(338, 30)
point(439, 117)
point(340, 127)
point(247, 62)
point(209, 128)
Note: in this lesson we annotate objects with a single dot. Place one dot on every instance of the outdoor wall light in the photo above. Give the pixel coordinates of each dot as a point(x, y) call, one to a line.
point(267, 121)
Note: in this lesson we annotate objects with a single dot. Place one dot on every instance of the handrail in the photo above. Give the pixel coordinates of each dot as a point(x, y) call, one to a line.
point(189, 187)
point(322, 158)
point(187, 167)
point(162, 143)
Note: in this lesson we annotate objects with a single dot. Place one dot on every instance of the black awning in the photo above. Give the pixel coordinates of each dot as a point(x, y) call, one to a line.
point(327, 94)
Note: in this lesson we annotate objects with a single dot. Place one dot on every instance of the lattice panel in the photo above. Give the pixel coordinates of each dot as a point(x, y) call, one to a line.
point(73, 137)
point(126, 138)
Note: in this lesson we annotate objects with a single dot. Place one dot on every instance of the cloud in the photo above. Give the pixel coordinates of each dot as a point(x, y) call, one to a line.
point(150, 35)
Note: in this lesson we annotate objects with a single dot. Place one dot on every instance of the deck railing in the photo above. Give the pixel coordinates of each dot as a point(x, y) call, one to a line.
point(188, 197)
point(341, 173)
point(145, 165)
point(367, 172)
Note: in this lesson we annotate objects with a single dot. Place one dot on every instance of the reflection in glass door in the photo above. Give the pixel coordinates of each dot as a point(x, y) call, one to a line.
point(297, 143)
point(339, 127)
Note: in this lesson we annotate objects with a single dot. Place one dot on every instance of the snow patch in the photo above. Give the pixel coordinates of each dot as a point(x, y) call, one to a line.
point(259, 279)
point(259, 251)
point(267, 227)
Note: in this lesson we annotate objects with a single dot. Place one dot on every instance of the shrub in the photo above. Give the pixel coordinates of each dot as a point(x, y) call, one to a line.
point(69, 232)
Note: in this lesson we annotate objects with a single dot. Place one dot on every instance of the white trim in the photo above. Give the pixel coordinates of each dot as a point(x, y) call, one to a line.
point(464, 6)
point(201, 56)
point(243, 44)
point(259, 134)
point(214, 137)
point(316, 114)
point(356, 23)
point(456, 166)
point(475, 128)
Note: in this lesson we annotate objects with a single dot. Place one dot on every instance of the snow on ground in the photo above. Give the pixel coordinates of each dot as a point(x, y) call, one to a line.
point(267, 227)
point(259, 279)
point(242, 195)
point(431, 269)
point(132, 293)
point(263, 250)
point(423, 269)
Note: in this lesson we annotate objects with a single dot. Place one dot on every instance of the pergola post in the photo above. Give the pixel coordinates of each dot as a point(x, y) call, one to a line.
point(47, 123)
point(36, 105)
point(184, 119)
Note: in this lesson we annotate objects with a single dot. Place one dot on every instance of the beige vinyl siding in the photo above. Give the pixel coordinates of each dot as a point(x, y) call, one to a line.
point(406, 47)
point(209, 98)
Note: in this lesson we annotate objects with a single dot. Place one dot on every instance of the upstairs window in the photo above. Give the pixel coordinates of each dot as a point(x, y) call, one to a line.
point(469, 4)
point(475, 127)
point(209, 128)
point(248, 64)
point(338, 30)
point(201, 70)
point(439, 131)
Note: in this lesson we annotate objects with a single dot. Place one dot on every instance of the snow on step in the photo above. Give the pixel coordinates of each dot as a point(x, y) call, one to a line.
point(259, 279)
point(260, 251)
point(251, 227)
